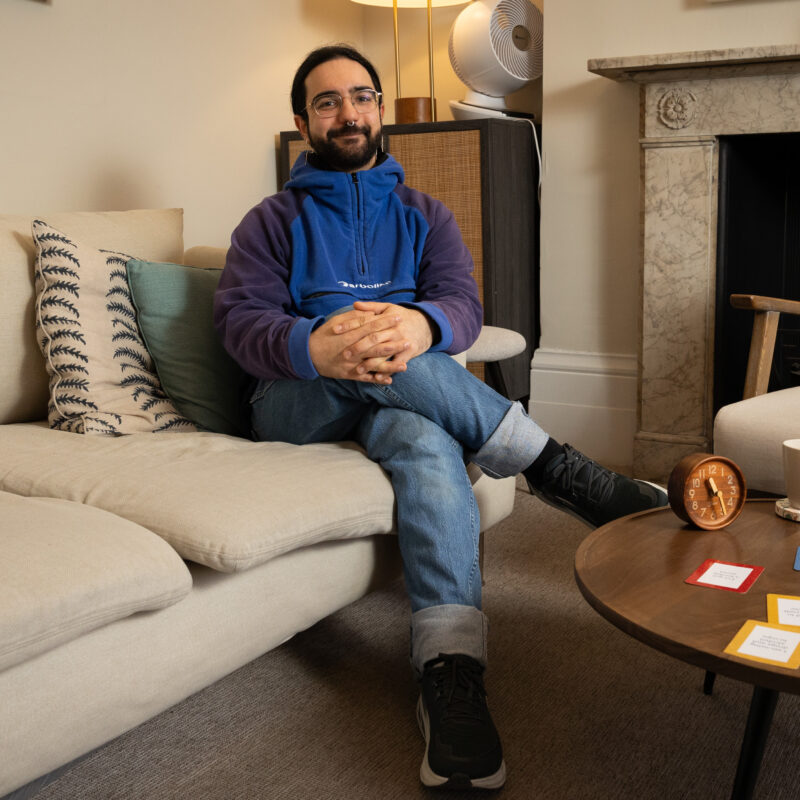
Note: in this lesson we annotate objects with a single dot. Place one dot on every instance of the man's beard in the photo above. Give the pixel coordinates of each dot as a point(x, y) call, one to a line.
point(350, 157)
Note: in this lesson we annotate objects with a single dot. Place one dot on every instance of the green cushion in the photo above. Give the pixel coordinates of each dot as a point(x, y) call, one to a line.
point(174, 309)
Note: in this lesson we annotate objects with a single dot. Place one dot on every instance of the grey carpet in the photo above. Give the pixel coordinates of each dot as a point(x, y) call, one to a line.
point(584, 710)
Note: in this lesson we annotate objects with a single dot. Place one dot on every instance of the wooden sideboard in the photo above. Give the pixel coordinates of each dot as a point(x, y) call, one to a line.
point(486, 172)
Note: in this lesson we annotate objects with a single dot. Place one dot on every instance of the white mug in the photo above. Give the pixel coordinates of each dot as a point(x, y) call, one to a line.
point(791, 471)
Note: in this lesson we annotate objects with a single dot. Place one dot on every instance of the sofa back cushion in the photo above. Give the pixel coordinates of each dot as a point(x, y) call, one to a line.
point(156, 235)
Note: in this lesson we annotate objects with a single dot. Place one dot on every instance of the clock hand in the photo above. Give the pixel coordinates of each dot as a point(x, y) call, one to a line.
point(718, 494)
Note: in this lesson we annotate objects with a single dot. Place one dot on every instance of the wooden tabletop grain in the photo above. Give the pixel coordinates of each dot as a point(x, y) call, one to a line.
point(633, 571)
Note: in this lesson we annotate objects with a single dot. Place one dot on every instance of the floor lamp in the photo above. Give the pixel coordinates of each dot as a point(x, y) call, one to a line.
point(413, 109)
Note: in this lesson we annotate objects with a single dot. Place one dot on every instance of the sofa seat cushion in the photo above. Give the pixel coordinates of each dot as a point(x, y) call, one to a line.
point(68, 568)
point(225, 502)
point(751, 433)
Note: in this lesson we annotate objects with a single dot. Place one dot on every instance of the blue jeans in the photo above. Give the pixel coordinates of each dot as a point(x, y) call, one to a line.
point(421, 429)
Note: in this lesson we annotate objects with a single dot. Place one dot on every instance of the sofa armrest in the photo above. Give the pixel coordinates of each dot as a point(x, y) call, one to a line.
point(495, 344)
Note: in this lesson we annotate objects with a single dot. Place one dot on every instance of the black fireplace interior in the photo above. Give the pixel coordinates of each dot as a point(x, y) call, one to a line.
point(758, 252)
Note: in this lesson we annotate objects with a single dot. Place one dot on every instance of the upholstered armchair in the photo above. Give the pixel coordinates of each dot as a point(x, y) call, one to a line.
point(752, 430)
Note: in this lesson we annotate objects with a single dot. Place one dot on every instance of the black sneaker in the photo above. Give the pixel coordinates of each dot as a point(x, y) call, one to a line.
point(462, 748)
point(596, 495)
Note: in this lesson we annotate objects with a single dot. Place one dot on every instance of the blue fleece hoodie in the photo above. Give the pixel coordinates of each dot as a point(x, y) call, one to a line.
point(331, 238)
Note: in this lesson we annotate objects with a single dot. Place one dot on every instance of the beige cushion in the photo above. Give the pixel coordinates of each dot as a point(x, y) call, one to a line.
point(155, 235)
point(102, 378)
point(205, 257)
point(69, 568)
point(222, 501)
point(751, 433)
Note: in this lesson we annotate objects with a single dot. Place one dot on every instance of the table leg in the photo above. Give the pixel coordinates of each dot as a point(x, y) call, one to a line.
point(759, 719)
point(708, 682)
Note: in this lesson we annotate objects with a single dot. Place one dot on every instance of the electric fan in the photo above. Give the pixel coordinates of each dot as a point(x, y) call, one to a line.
point(495, 48)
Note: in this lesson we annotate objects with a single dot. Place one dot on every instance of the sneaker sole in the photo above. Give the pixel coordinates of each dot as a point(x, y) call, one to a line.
point(458, 780)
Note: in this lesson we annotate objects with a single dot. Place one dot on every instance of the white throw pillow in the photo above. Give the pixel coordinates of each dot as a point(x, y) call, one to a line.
point(102, 379)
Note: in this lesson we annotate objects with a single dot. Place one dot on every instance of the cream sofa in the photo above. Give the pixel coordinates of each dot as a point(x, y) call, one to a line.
point(139, 569)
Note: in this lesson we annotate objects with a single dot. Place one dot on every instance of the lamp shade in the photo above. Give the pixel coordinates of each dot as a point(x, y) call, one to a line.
point(411, 3)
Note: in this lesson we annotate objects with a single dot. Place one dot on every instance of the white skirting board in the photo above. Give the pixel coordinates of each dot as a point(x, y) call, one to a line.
point(588, 400)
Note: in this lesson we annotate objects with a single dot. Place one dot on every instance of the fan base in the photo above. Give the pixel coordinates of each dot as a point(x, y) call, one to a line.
point(461, 110)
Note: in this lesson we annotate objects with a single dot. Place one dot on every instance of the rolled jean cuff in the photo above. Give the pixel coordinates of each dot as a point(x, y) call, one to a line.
point(447, 629)
point(515, 444)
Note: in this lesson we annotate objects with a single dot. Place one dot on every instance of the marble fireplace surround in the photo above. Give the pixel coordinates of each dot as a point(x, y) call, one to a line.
point(688, 100)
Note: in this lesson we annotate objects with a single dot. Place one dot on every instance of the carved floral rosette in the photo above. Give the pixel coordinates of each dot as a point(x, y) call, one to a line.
point(677, 108)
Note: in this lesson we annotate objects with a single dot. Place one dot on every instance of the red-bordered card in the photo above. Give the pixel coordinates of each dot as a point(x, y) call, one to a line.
point(725, 575)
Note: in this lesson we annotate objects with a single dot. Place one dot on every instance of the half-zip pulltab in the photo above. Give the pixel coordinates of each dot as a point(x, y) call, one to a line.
point(362, 265)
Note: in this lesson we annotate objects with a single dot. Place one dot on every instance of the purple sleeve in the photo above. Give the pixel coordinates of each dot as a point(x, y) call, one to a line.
point(446, 288)
point(253, 306)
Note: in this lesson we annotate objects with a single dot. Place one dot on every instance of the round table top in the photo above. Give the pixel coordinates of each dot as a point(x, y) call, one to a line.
point(633, 572)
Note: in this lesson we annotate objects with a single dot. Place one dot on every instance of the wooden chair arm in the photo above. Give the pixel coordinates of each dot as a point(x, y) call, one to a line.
point(755, 302)
point(762, 345)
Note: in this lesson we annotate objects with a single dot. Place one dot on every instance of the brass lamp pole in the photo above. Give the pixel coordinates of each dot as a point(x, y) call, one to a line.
point(413, 109)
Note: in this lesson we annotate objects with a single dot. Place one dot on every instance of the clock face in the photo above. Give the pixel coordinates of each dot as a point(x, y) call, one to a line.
point(706, 490)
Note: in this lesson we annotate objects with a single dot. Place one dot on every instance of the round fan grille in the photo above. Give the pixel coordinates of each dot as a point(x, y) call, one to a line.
point(495, 46)
point(516, 35)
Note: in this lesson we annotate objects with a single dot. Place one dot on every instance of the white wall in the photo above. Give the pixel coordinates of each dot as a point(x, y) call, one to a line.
point(591, 198)
point(114, 104)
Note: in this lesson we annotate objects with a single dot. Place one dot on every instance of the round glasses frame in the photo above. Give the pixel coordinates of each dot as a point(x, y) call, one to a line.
point(362, 100)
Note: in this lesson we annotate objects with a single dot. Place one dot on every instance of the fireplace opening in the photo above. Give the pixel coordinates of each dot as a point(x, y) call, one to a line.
point(758, 252)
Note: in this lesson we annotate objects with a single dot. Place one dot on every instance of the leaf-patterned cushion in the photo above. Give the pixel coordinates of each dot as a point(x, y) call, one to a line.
point(102, 379)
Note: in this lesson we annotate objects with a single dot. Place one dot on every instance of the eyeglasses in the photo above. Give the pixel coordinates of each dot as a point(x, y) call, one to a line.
point(330, 104)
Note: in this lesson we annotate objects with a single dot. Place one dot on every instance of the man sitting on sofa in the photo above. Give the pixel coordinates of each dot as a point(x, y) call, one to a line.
point(342, 296)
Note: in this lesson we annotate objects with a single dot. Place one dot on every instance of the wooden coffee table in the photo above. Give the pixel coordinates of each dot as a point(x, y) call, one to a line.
point(632, 572)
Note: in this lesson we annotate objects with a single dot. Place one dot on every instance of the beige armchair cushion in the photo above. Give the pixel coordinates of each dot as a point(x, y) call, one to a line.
point(751, 433)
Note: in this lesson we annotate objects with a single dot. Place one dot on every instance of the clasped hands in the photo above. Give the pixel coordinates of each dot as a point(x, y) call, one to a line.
point(370, 343)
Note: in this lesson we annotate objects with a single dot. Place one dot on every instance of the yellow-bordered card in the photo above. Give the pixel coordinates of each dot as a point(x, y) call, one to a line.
point(783, 609)
point(767, 643)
